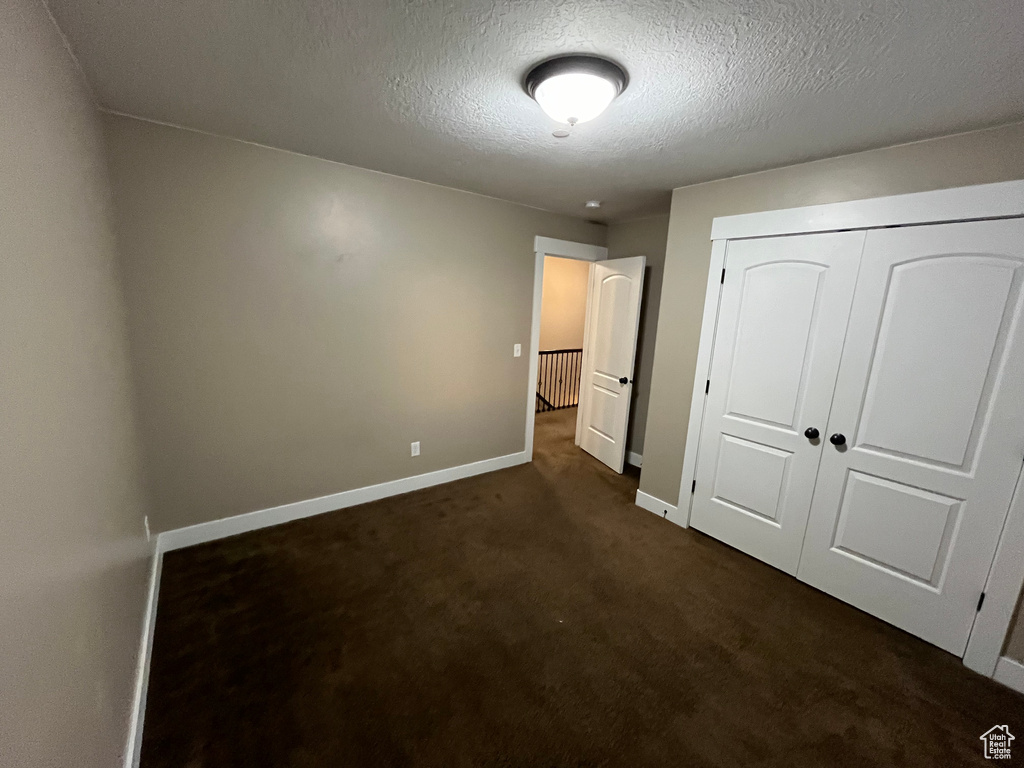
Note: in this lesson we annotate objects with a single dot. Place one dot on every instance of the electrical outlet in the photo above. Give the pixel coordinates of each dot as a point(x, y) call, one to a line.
point(416, 448)
point(517, 350)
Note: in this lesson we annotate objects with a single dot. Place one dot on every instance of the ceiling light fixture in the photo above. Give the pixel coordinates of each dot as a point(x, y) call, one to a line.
point(592, 204)
point(575, 89)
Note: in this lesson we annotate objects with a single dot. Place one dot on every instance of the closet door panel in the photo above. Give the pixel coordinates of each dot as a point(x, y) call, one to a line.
point(782, 317)
point(935, 342)
point(930, 398)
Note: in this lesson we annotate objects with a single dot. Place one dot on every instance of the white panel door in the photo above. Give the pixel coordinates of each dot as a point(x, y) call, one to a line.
point(781, 321)
point(609, 351)
point(929, 414)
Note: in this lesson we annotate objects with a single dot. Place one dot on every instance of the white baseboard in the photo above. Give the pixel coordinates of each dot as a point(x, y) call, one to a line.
point(264, 518)
point(659, 507)
point(133, 751)
point(1010, 673)
point(634, 459)
point(251, 521)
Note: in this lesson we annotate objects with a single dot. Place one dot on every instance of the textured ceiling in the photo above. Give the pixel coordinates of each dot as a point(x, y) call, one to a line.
point(430, 89)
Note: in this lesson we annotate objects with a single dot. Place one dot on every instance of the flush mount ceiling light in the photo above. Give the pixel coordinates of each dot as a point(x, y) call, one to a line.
point(575, 89)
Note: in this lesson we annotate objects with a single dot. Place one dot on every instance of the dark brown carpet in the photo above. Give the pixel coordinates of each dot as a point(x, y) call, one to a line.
point(535, 617)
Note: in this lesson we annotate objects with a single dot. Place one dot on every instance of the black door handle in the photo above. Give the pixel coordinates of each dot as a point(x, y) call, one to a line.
point(811, 433)
point(623, 380)
point(838, 439)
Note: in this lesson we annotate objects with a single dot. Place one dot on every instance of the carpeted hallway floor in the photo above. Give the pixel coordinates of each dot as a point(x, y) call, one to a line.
point(534, 617)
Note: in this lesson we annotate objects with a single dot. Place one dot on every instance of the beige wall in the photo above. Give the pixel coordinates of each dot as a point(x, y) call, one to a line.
point(73, 557)
point(564, 303)
point(296, 323)
point(642, 237)
point(972, 158)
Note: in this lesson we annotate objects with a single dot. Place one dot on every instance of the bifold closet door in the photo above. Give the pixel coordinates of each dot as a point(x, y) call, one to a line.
point(929, 404)
point(781, 322)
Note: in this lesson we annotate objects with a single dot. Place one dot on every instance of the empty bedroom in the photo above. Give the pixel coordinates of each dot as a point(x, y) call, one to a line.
point(511, 384)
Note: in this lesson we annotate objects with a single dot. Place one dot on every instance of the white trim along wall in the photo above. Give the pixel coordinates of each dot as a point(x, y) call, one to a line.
point(1003, 587)
point(985, 201)
point(251, 521)
point(133, 750)
point(264, 518)
point(657, 506)
point(548, 246)
point(1010, 673)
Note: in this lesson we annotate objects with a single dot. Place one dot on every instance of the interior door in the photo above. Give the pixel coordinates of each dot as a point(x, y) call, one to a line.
point(781, 321)
point(929, 420)
point(609, 351)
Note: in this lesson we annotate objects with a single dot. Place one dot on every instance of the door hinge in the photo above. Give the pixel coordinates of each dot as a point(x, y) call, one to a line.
point(723, 277)
point(981, 602)
point(707, 387)
point(693, 488)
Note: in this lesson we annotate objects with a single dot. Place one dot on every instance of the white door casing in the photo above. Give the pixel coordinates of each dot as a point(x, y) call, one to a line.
point(930, 398)
point(609, 353)
point(543, 247)
point(1003, 200)
point(782, 318)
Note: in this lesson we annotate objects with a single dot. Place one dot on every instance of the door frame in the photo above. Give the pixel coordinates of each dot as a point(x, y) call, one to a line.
point(563, 249)
point(1002, 200)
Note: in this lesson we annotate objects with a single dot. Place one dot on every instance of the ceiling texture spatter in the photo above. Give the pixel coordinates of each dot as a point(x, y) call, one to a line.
point(434, 91)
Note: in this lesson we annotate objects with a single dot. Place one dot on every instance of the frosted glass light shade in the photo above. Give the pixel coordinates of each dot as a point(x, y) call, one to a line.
point(575, 97)
point(575, 88)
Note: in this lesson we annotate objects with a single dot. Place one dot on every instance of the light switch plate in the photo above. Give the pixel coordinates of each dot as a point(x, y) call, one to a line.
point(517, 350)
point(415, 448)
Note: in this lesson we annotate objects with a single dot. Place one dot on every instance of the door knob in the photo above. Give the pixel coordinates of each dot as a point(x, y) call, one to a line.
point(623, 380)
point(838, 439)
point(811, 433)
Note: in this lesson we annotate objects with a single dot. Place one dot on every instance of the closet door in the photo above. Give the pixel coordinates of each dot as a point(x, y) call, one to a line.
point(782, 317)
point(929, 417)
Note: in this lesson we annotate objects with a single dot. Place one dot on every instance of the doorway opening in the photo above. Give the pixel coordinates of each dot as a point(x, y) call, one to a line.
point(563, 315)
point(586, 314)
